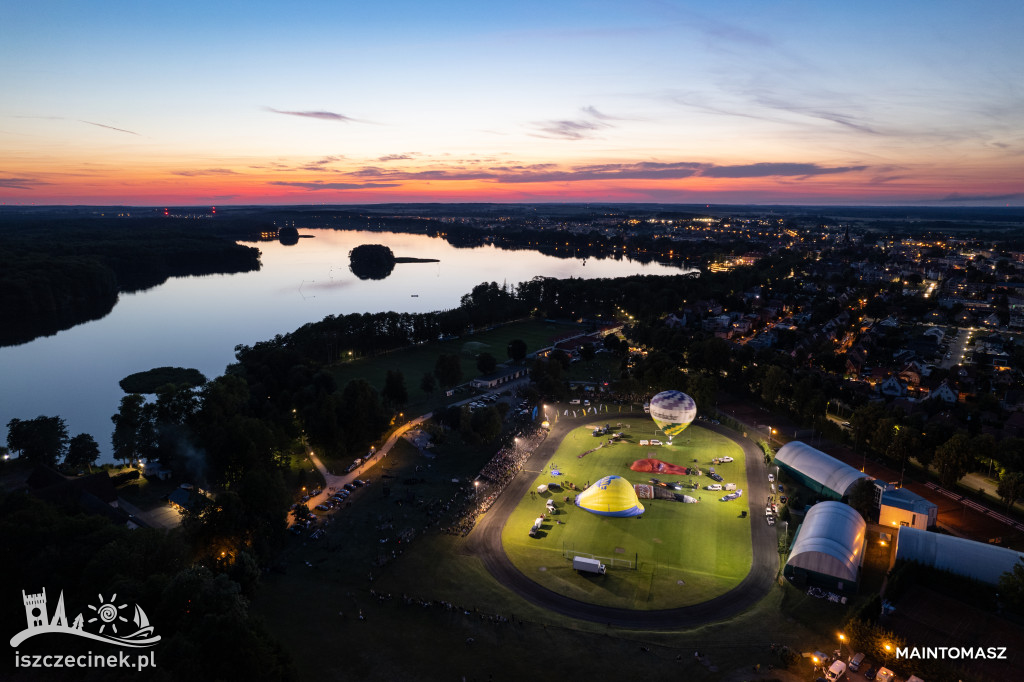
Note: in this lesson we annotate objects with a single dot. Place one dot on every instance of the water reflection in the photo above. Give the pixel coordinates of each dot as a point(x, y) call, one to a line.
point(197, 321)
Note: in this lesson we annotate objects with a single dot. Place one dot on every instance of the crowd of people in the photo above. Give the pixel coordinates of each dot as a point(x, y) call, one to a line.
point(494, 477)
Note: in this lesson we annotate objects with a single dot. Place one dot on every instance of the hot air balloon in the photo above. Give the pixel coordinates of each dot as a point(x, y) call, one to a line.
point(673, 411)
point(611, 496)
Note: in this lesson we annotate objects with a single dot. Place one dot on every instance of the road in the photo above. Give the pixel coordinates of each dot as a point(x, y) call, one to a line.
point(957, 348)
point(485, 542)
point(334, 482)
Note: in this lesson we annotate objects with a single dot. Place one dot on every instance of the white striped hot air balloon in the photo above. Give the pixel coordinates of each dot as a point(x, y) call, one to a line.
point(673, 411)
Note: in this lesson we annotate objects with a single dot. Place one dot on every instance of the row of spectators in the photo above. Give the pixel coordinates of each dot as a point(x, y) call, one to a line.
point(494, 477)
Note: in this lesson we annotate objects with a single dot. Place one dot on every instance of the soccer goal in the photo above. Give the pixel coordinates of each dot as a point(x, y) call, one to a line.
point(614, 562)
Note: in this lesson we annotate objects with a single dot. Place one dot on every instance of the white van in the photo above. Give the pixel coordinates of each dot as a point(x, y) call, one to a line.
point(836, 671)
point(574, 401)
point(713, 486)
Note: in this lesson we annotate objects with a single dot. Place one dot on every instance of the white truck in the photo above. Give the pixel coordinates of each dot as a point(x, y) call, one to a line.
point(585, 565)
point(836, 671)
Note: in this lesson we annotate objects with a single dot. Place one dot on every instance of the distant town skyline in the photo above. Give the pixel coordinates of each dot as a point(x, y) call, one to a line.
point(690, 102)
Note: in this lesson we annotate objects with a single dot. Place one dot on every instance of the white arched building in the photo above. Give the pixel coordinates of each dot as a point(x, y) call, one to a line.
point(817, 471)
point(828, 548)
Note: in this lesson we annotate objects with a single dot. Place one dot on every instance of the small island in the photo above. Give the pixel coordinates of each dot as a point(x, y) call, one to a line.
point(152, 379)
point(376, 261)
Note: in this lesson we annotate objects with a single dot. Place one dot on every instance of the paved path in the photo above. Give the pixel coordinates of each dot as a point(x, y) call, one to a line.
point(485, 542)
point(334, 482)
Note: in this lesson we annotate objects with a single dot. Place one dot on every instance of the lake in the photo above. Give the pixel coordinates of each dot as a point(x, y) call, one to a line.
point(198, 321)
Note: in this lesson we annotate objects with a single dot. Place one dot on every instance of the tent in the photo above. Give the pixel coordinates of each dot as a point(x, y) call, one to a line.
point(610, 496)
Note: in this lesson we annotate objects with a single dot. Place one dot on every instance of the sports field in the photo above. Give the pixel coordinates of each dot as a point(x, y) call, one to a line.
point(683, 554)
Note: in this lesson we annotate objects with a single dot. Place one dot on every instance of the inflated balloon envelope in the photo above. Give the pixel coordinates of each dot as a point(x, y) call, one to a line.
point(673, 411)
point(610, 496)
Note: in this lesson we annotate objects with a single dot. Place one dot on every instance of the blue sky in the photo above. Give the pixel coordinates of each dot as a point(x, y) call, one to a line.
point(915, 102)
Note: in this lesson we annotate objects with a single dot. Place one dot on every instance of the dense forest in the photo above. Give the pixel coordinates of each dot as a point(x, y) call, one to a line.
point(57, 273)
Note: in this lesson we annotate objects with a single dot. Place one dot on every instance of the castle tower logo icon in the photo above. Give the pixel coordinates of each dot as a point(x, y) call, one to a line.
point(106, 621)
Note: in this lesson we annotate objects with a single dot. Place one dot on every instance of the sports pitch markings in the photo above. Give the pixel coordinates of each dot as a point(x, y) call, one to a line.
point(485, 542)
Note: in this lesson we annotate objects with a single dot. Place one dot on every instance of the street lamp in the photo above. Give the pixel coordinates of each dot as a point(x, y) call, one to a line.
point(842, 638)
point(476, 488)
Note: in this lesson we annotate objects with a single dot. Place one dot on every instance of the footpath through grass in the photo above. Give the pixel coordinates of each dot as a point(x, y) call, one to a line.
point(674, 555)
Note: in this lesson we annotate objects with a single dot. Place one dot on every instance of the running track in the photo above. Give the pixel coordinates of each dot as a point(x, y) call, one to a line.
point(485, 542)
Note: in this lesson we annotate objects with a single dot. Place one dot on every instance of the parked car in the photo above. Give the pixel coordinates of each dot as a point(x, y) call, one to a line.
point(870, 673)
point(323, 507)
point(655, 442)
point(713, 486)
point(782, 488)
point(349, 487)
point(715, 477)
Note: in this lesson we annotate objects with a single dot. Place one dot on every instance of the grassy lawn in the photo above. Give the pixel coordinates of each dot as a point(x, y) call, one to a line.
point(310, 606)
point(414, 362)
point(688, 553)
point(604, 367)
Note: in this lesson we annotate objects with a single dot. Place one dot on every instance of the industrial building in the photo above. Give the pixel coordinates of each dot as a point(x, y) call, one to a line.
point(828, 548)
point(899, 507)
point(976, 560)
point(817, 471)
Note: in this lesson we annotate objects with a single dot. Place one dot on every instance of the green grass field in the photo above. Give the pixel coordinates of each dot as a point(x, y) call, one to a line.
point(414, 361)
point(686, 553)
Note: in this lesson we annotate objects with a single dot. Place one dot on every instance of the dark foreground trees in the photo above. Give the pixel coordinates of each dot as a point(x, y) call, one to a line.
point(201, 614)
point(43, 440)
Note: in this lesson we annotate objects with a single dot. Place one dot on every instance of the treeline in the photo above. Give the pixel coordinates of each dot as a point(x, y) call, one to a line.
point(199, 611)
point(57, 273)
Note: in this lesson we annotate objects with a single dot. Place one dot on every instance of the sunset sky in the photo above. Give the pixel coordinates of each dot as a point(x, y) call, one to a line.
point(190, 103)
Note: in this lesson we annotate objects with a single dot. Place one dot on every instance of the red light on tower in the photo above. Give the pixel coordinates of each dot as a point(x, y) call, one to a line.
point(214, 209)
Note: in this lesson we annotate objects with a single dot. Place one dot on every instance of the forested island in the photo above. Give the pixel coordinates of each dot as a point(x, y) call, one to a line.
point(153, 379)
point(376, 261)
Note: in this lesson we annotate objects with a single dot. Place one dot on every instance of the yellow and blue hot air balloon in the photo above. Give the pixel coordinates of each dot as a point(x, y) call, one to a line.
point(673, 411)
point(611, 496)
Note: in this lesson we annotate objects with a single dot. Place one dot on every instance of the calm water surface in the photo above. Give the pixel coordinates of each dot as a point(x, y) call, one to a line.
point(197, 321)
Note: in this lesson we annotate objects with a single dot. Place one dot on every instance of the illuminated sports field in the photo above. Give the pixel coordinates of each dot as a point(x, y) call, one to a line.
point(688, 553)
